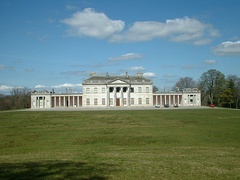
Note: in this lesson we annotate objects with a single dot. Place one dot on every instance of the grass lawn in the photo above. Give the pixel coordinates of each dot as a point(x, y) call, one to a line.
point(140, 144)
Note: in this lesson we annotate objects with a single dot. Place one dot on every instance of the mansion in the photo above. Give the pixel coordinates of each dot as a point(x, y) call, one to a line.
point(115, 91)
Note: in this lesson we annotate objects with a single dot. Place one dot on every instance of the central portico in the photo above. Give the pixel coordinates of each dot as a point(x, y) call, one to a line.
point(118, 93)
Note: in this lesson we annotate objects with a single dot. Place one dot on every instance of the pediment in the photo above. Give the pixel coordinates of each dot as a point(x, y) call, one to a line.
point(118, 81)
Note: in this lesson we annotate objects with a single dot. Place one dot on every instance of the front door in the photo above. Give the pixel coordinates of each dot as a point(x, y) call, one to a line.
point(118, 102)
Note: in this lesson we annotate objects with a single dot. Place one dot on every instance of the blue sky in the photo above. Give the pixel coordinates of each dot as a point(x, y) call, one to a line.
point(57, 43)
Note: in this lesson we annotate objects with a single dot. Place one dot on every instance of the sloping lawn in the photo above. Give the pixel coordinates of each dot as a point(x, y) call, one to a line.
point(140, 144)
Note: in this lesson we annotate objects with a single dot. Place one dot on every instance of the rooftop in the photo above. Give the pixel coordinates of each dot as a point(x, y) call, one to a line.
point(137, 79)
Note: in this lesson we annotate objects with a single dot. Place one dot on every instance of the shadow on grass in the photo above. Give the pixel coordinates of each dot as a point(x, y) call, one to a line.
point(56, 170)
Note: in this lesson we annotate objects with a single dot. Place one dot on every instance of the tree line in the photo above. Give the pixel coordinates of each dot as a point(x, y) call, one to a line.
point(214, 86)
point(19, 98)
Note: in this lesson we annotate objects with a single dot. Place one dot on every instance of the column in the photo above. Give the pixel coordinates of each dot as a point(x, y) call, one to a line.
point(77, 101)
point(73, 101)
point(122, 103)
point(114, 95)
point(64, 101)
point(178, 99)
point(55, 101)
point(128, 95)
point(68, 103)
point(156, 99)
point(36, 100)
point(108, 97)
point(60, 101)
point(165, 99)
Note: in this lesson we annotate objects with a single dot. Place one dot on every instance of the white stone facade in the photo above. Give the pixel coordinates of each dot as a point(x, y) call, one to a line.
point(41, 100)
point(115, 91)
point(111, 91)
point(186, 97)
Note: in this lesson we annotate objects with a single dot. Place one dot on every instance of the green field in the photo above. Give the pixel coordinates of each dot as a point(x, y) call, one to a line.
point(140, 144)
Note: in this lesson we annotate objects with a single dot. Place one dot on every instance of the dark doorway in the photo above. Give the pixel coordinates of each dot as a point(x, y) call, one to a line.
point(118, 102)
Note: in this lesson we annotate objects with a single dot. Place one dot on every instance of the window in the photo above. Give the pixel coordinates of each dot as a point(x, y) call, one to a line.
point(87, 90)
point(139, 89)
point(139, 100)
point(103, 90)
point(124, 101)
point(118, 89)
point(95, 101)
point(124, 89)
point(111, 89)
point(103, 101)
point(132, 89)
point(147, 89)
point(147, 100)
point(95, 90)
point(87, 101)
point(111, 101)
point(132, 100)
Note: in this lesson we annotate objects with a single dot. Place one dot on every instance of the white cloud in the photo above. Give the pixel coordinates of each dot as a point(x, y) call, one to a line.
point(210, 61)
point(137, 68)
point(96, 24)
point(67, 85)
point(39, 86)
point(178, 30)
point(92, 24)
point(127, 56)
point(61, 87)
point(228, 48)
point(5, 88)
point(149, 75)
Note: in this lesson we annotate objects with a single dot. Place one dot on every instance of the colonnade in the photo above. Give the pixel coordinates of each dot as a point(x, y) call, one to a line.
point(66, 101)
point(167, 99)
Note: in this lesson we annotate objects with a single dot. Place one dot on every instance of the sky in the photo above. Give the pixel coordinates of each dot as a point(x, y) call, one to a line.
point(56, 44)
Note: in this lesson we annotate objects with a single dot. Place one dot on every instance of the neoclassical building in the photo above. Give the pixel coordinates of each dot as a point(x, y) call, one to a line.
point(115, 91)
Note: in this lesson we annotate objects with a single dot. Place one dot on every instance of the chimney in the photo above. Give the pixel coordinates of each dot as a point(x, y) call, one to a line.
point(92, 74)
point(139, 74)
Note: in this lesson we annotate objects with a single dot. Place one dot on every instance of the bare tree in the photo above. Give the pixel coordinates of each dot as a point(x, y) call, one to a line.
point(186, 82)
point(21, 98)
point(155, 89)
point(212, 84)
